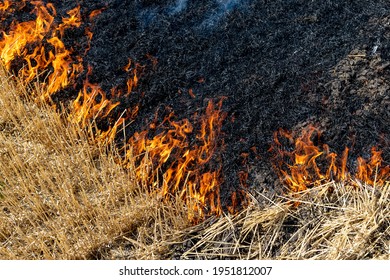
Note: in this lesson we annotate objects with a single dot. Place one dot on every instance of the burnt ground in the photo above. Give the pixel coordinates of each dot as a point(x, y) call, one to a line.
point(280, 64)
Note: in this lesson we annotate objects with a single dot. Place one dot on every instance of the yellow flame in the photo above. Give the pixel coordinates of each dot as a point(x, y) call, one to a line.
point(74, 20)
point(14, 43)
point(42, 29)
point(299, 169)
point(5, 5)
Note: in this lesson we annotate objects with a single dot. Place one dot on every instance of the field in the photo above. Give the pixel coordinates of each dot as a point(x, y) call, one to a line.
point(62, 196)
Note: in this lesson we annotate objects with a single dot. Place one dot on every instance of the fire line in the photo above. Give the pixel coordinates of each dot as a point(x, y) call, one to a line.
point(167, 162)
point(307, 164)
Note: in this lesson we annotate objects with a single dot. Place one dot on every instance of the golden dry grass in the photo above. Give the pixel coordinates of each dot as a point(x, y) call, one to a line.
point(62, 196)
point(350, 223)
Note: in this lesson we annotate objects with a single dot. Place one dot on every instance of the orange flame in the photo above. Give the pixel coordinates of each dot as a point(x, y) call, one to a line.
point(62, 67)
point(74, 20)
point(92, 104)
point(5, 5)
point(132, 82)
point(183, 162)
point(14, 43)
point(309, 164)
point(373, 172)
point(50, 54)
point(89, 35)
point(95, 13)
point(86, 106)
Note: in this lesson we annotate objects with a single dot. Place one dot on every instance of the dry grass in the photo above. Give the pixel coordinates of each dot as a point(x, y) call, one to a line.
point(63, 197)
point(346, 223)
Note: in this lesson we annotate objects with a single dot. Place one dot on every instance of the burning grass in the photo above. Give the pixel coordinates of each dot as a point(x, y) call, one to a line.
point(68, 192)
point(307, 164)
point(164, 150)
point(64, 197)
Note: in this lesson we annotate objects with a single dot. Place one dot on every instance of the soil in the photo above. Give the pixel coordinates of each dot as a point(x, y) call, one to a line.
point(280, 64)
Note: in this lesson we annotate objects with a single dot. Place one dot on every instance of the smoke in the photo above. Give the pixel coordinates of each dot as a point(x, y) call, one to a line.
point(147, 17)
point(179, 6)
point(228, 5)
point(218, 11)
point(224, 7)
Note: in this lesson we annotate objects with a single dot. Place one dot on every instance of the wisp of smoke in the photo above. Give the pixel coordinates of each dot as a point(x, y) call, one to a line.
point(179, 6)
point(224, 7)
point(147, 17)
point(228, 5)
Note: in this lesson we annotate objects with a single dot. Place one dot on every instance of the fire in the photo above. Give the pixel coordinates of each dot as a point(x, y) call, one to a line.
point(41, 32)
point(74, 20)
point(132, 82)
point(86, 110)
point(374, 172)
point(175, 158)
point(14, 44)
point(52, 56)
point(5, 5)
point(92, 105)
point(199, 189)
point(170, 163)
point(309, 164)
point(86, 107)
point(95, 13)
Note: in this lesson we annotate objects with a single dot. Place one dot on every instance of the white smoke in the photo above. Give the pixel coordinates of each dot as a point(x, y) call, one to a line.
point(228, 5)
point(224, 7)
point(179, 6)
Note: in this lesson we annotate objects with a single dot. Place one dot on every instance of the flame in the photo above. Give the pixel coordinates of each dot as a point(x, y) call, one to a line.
point(74, 20)
point(132, 82)
point(42, 33)
point(173, 157)
point(52, 56)
point(88, 31)
point(61, 63)
point(86, 107)
point(89, 35)
point(92, 105)
point(10, 6)
point(14, 43)
point(5, 5)
point(191, 93)
point(308, 164)
point(95, 13)
point(170, 163)
point(373, 172)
